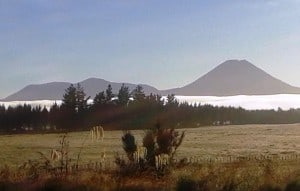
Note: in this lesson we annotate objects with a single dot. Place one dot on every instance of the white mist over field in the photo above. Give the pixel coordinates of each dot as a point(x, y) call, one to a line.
point(36, 103)
point(249, 102)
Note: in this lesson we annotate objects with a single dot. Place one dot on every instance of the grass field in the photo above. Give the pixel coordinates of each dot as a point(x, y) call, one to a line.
point(205, 142)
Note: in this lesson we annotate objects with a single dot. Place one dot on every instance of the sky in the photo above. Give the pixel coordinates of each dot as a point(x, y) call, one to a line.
point(165, 44)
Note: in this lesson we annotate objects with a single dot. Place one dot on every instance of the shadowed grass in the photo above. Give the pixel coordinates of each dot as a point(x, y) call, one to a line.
point(244, 175)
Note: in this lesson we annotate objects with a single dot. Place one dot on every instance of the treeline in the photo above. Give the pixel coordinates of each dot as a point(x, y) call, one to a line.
point(130, 110)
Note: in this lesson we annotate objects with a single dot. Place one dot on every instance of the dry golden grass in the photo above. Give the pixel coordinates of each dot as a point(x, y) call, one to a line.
point(204, 142)
point(240, 176)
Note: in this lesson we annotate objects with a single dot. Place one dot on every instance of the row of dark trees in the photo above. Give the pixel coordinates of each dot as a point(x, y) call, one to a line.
point(130, 110)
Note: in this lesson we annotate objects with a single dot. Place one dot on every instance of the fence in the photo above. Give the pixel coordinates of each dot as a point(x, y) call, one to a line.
point(110, 164)
point(230, 159)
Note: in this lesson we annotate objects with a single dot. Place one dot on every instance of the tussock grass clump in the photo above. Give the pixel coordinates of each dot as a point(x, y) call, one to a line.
point(155, 156)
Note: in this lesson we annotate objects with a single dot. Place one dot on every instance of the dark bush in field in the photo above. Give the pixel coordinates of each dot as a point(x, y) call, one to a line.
point(187, 183)
point(293, 186)
point(64, 185)
point(9, 186)
point(129, 144)
point(159, 148)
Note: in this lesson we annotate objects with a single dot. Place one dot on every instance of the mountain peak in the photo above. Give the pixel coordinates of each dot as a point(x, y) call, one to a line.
point(235, 77)
point(93, 79)
point(237, 63)
point(236, 67)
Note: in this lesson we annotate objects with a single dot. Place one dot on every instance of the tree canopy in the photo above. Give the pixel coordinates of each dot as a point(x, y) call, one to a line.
point(123, 95)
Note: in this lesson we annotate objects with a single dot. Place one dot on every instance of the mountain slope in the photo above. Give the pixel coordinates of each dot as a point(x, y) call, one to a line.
point(92, 86)
point(235, 77)
point(55, 90)
point(48, 91)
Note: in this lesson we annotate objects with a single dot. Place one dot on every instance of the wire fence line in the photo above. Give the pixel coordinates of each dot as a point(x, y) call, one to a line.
point(230, 159)
point(110, 163)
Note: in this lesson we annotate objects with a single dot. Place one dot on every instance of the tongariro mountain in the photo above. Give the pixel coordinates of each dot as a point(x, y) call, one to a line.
point(233, 77)
point(55, 90)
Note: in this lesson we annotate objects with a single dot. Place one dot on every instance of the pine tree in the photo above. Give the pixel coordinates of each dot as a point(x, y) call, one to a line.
point(54, 116)
point(74, 99)
point(69, 99)
point(81, 101)
point(138, 94)
point(73, 107)
point(172, 100)
point(100, 99)
point(109, 94)
point(123, 95)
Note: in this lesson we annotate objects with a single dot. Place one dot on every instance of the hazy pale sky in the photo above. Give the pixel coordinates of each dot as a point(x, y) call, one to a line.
point(162, 43)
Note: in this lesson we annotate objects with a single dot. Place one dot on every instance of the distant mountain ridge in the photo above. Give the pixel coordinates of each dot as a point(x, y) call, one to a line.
point(47, 91)
point(55, 90)
point(232, 77)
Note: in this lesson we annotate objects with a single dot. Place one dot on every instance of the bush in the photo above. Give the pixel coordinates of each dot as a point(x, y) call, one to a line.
point(293, 186)
point(159, 148)
point(64, 185)
point(129, 144)
point(186, 183)
point(8, 186)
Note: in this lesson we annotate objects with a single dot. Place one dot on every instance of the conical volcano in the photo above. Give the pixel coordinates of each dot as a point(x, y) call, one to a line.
point(235, 77)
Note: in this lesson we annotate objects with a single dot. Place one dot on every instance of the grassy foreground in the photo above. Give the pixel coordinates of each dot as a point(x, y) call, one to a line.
point(204, 142)
point(243, 175)
point(272, 171)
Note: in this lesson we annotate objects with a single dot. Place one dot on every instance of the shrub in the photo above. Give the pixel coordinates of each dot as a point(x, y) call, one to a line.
point(293, 186)
point(129, 144)
point(168, 140)
point(186, 183)
point(160, 145)
point(8, 186)
point(64, 185)
point(149, 144)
